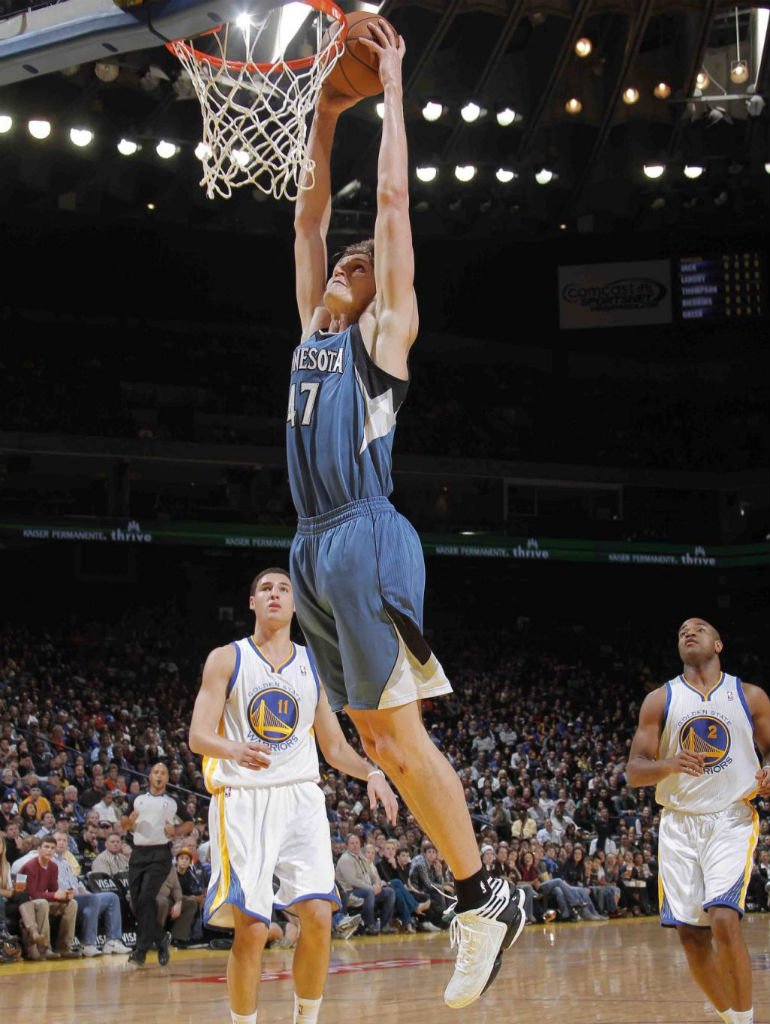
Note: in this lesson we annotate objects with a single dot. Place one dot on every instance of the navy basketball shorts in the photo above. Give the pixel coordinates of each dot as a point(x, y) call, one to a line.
point(358, 575)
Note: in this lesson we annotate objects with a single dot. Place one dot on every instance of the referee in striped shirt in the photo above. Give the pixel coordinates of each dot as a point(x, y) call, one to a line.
point(152, 822)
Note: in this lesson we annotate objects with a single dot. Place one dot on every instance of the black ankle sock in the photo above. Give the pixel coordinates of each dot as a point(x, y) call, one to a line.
point(474, 891)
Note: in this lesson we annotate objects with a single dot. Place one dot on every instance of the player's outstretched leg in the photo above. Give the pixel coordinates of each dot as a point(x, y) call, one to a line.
point(489, 916)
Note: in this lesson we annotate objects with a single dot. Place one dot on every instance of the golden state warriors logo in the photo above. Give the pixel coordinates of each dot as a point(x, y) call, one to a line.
point(273, 715)
point(704, 734)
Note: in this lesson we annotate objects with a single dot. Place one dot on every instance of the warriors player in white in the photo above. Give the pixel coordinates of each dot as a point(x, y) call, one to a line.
point(259, 706)
point(695, 741)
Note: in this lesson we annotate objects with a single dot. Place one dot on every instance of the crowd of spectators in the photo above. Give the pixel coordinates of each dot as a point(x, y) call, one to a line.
point(538, 728)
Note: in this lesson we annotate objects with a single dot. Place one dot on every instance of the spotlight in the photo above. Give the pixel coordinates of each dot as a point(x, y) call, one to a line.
point(693, 171)
point(165, 150)
point(106, 70)
point(432, 111)
point(662, 91)
point(562, 227)
point(427, 174)
point(767, 167)
point(39, 129)
point(243, 21)
point(583, 47)
point(755, 105)
point(739, 71)
point(241, 157)
point(202, 151)
point(573, 106)
point(654, 170)
point(81, 136)
point(380, 108)
point(630, 95)
point(151, 207)
point(127, 147)
point(544, 176)
point(470, 112)
point(505, 174)
point(6, 123)
point(702, 81)
point(506, 116)
point(465, 172)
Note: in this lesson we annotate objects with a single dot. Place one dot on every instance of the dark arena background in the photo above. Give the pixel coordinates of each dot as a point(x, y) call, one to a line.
point(583, 451)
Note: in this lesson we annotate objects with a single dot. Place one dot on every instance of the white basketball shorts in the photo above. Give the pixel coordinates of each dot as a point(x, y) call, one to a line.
point(259, 833)
point(704, 860)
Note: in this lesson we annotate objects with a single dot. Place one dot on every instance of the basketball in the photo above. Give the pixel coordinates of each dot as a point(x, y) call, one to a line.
point(355, 73)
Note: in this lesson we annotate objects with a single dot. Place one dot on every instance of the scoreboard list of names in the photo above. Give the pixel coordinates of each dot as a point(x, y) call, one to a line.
point(721, 287)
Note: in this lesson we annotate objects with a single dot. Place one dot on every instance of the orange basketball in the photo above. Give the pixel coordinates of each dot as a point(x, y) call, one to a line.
point(355, 73)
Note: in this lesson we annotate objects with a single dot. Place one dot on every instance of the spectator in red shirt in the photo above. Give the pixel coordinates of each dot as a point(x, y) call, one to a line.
point(43, 885)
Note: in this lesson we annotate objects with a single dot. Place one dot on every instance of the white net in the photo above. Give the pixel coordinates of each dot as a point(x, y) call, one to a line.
point(255, 115)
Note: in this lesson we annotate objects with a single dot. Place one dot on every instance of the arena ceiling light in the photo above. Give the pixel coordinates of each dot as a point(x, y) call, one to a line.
point(583, 47)
point(380, 108)
point(662, 91)
point(470, 112)
point(242, 158)
point(81, 137)
point(465, 172)
point(654, 170)
point(573, 105)
point(544, 176)
point(432, 111)
point(693, 171)
point(39, 129)
point(505, 174)
point(202, 151)
point(107, 70)
point(702, 81)
point(630, 95)
point(6, 123)
point(506, 116)
point(427, 173)
point(165, 150)
point(127, 147)
point(767, 168)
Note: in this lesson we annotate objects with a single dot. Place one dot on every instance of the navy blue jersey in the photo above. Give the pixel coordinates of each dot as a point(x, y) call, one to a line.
point(340, 423)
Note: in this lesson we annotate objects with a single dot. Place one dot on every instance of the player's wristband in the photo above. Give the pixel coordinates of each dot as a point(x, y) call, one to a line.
point(375, 771)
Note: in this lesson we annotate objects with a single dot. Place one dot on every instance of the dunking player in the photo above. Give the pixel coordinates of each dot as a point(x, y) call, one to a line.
point(696, 739)
point(356, 564)
point(259, 703)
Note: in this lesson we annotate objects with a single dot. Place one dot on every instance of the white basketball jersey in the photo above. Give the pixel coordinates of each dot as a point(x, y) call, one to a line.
point(274, 704)
point(718, 724)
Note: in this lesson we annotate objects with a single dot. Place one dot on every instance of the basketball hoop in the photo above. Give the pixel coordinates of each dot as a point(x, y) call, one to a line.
point(255, 112)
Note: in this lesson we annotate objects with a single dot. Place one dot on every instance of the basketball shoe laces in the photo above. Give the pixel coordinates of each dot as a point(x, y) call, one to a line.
point(469, 940)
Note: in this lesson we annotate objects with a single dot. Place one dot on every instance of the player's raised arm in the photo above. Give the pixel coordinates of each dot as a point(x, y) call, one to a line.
point(643, 768)
point(313, 212)
point(396, 306)
point(204, 728)
point(340, 755)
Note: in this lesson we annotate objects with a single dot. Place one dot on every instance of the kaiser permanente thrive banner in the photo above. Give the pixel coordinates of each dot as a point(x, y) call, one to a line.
point(615, 294)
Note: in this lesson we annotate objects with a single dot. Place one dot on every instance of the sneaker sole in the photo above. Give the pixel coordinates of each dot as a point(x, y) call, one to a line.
point(515, 928)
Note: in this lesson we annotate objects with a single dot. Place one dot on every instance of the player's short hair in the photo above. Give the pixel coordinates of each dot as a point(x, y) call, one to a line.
point(266, 572)
point(363, 248)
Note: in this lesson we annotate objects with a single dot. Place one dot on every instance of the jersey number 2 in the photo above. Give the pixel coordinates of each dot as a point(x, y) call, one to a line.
point(312, 392)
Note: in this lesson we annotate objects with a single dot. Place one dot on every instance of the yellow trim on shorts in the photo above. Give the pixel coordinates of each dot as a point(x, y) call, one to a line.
point(750, 857)
point(224, 877)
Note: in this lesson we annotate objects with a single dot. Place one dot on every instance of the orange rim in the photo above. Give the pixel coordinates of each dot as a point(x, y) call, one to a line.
point(324, 6)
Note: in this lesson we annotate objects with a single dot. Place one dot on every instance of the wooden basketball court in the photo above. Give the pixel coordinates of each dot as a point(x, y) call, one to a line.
point(603, 973)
